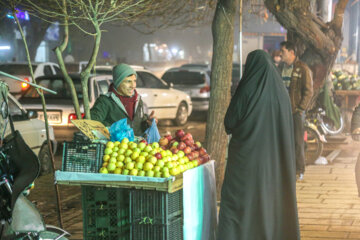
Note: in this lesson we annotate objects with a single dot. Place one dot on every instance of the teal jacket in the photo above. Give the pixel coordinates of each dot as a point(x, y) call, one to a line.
point(109, 109)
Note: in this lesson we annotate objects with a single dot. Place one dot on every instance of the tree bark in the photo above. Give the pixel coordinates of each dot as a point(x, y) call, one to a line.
point(223, 46)
point(318, 43)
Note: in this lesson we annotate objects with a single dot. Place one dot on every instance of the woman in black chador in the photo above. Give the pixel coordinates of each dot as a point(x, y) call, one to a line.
point(258, 199)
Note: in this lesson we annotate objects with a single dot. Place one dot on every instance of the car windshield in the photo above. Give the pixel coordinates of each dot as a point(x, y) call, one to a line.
point(184, 78)
point(16, 69)
point(58, 85)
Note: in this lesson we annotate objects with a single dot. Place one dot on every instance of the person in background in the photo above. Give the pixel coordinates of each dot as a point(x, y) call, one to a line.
point(297, 75)
point(122, 101)
point(258, 196)
point(276, 57)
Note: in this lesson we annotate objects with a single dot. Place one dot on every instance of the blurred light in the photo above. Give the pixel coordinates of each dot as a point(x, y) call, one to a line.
point(174, 50)
point(5, 48)
point(161, 50)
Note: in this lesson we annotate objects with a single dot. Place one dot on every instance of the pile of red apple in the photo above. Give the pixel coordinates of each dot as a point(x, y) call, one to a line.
point(185, 142)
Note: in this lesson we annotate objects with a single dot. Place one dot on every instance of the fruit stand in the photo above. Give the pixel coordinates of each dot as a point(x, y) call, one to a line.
point(135, 190)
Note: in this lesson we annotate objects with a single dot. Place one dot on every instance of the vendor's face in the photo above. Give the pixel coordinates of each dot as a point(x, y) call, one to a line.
point(127, 86)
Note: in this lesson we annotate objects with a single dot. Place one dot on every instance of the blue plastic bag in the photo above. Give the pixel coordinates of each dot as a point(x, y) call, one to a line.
point(120, 130)
point(152, 133)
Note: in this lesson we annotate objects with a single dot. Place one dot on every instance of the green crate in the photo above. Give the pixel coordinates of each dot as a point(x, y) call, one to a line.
point(155, 207)
point(171, 231)
point(82, 157)
point(105, 213)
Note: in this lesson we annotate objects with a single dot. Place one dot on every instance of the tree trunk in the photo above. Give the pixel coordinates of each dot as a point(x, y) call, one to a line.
point(38, 31)
point(318, 43)
point(223, 38)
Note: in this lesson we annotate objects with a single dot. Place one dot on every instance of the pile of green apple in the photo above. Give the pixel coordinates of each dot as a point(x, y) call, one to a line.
point(142, 159)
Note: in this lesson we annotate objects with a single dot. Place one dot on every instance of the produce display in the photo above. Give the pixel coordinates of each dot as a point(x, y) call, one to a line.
point(344, 81)
point(168, 157)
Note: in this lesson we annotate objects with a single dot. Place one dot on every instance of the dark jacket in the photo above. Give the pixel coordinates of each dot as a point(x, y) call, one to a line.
point(109, 109)
point(301, 86)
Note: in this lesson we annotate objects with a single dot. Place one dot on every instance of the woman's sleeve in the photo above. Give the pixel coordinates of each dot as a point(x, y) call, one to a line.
point(235, 112)
point(100, 109)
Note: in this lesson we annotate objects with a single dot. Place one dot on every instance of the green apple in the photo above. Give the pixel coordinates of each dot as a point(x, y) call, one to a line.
point(112, 160)
point(139, 165)
point(157, 174)
point(157, 169)
point(145, 154)
point(128, 152)
point(123, 146)
point(111, 167)
point(152, 160)
point(180, 154)
point(130, 165)
point(148, 166)
point(181, 161)
point(110, 144)
point(153, 152)
point(155, 145)
point(119, 164)
point(116, 143)
point(181, 168)
point(140, 159)
point(174, 171)
point(121, 151)
point(115, 149)
point(169, 165)
point(148, 148)
point(134, 155)
point(186, 159)
point(160, 163)
point(149, 173)
point(141, 145)
point(125, 140)
point(114, 154)
point(138, 150)
point(103, 170)
point(174, 157)
point(132, 145)
point(108, 151)
point(165, 169)
point(117, 171)
point(106, 158)
point(120, 158)
point(141, 173)
point(134, 172)
point(127, 160)
point(125, 172)
point(165, 174)
point(168, 152)
point(163, 153)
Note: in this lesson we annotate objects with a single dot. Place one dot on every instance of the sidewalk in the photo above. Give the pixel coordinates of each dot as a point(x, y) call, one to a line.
point(328, 202)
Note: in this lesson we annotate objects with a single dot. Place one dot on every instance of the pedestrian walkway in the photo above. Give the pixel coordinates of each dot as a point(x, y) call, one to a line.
point(328, 202)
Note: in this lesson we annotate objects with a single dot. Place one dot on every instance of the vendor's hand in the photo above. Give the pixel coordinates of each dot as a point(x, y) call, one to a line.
point(151, 117)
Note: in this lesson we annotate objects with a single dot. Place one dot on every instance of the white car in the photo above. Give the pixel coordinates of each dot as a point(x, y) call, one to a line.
point(21, 70)
point(158, 96)
point(60, 108)
point(33, 131)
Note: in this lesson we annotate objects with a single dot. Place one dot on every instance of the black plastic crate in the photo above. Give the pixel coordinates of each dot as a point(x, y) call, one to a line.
point(171, 231)
point(82, 157)
point(105, 213)
point(155, 207)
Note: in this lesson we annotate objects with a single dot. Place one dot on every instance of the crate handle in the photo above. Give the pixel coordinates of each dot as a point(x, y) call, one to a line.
point(146, 220)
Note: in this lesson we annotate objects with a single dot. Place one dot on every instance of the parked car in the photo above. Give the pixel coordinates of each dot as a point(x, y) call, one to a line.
point(21, 70)
point(158, 96)
point(193, 81)
point(33, 131)
point(60, 108)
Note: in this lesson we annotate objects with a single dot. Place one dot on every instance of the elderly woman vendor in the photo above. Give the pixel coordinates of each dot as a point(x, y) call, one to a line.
point(122, 101)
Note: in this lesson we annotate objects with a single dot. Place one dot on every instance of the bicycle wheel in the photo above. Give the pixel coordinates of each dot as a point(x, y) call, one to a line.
point(329, 125)
point(313, 146)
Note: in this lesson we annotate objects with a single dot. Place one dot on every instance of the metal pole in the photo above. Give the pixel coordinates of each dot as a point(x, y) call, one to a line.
point(240, 36)
point(31, 84)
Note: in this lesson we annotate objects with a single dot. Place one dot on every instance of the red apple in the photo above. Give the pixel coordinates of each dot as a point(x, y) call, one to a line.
point(187, 150)
point(202, 151)
point(199, 161)
point(196, 154)
point(192, 147)
point(158, 155)
point(180, 133)
point(187, 136)
point(174, 150)
point(168, 136)
point(163, 141)
point(206, 158)
point(189, 142)
point(190, 157)
point(163, 147)
point(144, 141)
point(181, 146)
